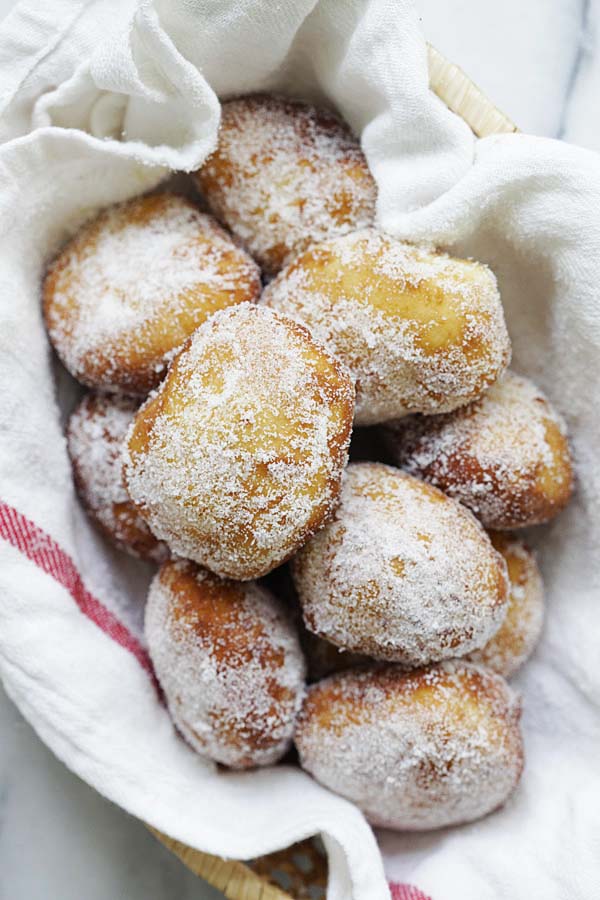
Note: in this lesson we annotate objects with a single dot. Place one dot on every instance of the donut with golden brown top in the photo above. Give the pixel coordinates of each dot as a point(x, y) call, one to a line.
point(131, 286)
point(419, 330)
point(237, 458)
point(516, 639)
point(95, 436)
point(285, 175)
point(417, 750)
point(400, 572)
point(229, 663)
point(506, 456)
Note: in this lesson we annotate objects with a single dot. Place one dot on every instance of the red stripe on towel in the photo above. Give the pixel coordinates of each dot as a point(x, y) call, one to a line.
point(406, 892)
point(44, 552)
point(41, 549)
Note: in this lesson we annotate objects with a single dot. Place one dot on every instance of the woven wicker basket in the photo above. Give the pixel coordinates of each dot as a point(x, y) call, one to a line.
point(300, 871)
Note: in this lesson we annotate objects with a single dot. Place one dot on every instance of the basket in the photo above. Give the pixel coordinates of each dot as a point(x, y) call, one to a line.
point(300, 872)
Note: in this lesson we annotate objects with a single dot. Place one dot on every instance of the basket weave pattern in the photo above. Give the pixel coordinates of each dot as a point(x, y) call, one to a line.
point(300, 871)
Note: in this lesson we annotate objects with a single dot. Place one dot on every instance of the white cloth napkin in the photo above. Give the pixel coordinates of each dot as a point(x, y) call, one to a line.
point(98, 101)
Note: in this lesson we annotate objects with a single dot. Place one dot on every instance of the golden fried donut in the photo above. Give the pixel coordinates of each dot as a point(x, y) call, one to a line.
point(237, 458)
point(130, 287)
point(414, 750)
point(505, 456)
point(400, 572)
point(518, 635)
point(229, 663)
point(95, 436)
point(285, 175)
point(419, 330)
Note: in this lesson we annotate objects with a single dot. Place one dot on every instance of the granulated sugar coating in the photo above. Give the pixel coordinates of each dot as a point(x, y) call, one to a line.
point(237, 458)
point(419, 330)
point(518, 635)
point(505, 456)
point(284, 176)
point(417, 750)
point(127, 291)
point(95, 437)
point(229, 663)
point(401, 572)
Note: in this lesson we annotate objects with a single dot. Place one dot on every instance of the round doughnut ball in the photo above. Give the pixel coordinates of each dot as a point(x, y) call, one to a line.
point(419, 330)
point(285, 175)
point(518, 635)
point(400, 572)
point(95, 437)
point(414, 750)
point(126, 292)
point(229, 663)
point(506, 456)
point(237, 458)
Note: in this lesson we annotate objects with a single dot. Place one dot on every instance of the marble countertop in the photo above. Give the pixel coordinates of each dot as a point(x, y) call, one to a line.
point(59, 840)
point(537, 60)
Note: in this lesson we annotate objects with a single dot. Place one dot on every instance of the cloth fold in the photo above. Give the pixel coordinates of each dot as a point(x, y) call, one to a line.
point(100, 100)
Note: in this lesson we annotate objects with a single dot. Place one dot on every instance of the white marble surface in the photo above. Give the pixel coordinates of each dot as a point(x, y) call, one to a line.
point(537, 60)
point(59, 840)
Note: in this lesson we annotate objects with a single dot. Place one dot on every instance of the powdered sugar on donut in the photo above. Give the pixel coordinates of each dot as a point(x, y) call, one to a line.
point(419, 330)
point(286, 175)
point(246, 442)
point(518, 635)
point(95, 437)
point(131, 286)
point(401, 572)
point(418, 750)
point(504, 456)
point(234, 688)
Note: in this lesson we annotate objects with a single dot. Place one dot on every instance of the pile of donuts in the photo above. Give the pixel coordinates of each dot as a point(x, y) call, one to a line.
point(231, 344)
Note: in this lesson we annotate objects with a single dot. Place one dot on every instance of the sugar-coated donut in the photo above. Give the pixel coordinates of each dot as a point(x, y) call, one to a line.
point(506, 456)
point(130, 287)
point(95, 436)
point(285, 175)
point(228, 661)
point(518, 635)
point(237, 458)
point(505, 652)
point(417, 750)
point(419, 330)
point(400, 572)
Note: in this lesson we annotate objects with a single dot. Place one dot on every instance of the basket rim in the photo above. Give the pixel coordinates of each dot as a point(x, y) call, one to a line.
point(463, 97)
